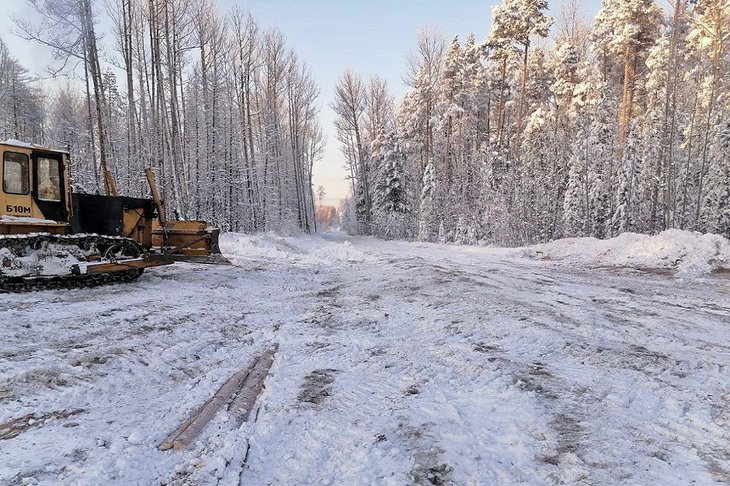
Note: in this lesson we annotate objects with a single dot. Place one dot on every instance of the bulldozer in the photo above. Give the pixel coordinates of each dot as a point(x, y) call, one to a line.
point(52, 237)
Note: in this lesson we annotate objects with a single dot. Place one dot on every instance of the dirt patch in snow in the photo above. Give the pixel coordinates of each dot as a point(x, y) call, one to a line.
point(316, 387)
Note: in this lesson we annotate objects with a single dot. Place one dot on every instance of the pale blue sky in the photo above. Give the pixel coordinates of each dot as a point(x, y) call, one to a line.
point(367, 36)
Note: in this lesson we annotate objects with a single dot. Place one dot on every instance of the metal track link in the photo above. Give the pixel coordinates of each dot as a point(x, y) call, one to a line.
point(19, 243)
point(21, 284)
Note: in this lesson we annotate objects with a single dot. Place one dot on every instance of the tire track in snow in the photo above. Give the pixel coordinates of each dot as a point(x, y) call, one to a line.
point(450, 367)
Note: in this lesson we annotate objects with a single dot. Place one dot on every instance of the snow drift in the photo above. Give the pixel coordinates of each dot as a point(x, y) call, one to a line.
point(689, 253)
point(302, 249)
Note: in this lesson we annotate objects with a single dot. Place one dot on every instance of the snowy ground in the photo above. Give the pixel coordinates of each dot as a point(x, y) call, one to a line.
point(398, 364)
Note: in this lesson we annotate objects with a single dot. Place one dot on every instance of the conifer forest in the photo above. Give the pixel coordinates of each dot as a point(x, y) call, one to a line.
point(554, 125)
point(550, 127)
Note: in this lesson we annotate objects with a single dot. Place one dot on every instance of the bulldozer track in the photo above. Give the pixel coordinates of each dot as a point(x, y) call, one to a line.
point(97, 244)
point(67, 282)
point(19, 243)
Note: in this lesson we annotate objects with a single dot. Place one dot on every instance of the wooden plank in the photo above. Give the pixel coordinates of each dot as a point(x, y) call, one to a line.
point(245, 384)
point(252, 387)
point(146, 262)
point(212, 259)
point(184, 435)
point(16, 426)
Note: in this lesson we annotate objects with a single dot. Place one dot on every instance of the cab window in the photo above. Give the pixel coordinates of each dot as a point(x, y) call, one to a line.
point(49, 180)
point(16, 173)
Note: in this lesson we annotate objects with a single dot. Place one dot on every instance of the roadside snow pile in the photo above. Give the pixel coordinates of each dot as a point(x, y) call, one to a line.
point(690, 254)
point(304, 249)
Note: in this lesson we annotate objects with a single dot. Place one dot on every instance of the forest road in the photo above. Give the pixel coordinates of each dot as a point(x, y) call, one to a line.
point(398, 363)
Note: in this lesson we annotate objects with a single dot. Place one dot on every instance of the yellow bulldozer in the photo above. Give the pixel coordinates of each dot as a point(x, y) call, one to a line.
point(51, 237)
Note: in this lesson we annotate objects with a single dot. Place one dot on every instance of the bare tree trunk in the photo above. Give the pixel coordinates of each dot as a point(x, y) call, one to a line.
point(92, 141)
point(666, 166)
point(502, 101)
point(523, 91)
point(96, 80)
point(627, 98)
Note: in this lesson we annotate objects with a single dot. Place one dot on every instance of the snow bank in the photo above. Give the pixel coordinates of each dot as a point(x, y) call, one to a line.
point(303, 249)
point(690, 254)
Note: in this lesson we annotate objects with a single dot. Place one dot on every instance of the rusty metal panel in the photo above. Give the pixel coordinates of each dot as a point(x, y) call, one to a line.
point(147, 262)
point(23, 228)
point(137, 226)
point(190, 238)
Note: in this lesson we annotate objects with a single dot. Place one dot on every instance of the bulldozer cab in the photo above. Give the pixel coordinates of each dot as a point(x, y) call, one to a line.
point(35, 188)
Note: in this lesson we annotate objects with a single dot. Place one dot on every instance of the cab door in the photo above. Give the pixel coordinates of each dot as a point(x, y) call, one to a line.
point(49, 185)
point(15, 197)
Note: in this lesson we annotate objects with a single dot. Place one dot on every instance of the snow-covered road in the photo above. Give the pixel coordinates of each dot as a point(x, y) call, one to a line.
point(398, 364)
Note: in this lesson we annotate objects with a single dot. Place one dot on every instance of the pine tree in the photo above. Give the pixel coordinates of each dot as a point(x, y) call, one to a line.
point(390, 203)
point(654, 141)
point(450, 109)
point(716, 204)
point(516, 22)
point(460, 232)
point(443, 235)
point(574, 205)
point(624, 216)
point(426, 206)
point(628, 28)
point(709, 38)
point(565, 65)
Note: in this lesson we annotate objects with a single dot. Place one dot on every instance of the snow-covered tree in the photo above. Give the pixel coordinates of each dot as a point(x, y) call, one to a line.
point(390, 202)
point(22, 114)
point(516, 22)
point(624, 216)
point(426, 211)
point(613, 128)
point(628, 28)
point(716, 204)
point(224, 113)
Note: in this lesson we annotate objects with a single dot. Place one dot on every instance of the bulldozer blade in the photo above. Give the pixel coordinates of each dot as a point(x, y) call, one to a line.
point(214, 239)
point(186, 239)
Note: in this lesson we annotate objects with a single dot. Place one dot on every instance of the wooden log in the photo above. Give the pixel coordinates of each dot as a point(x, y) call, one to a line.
point(15, 427)
point(184, 435)
point(252, 387)
point(245, 384)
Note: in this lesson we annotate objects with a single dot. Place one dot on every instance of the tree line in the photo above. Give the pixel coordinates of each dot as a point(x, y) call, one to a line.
point(618, 124)
point(223, 110)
